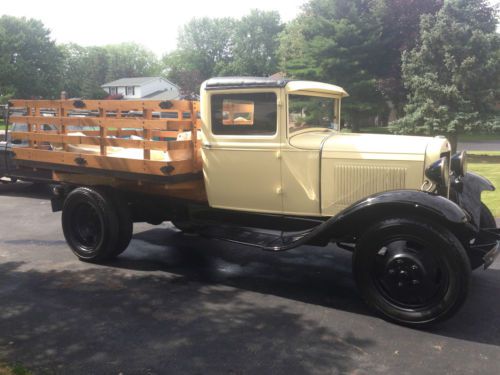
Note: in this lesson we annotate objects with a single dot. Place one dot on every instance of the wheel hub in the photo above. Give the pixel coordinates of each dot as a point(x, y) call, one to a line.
point(405, 271)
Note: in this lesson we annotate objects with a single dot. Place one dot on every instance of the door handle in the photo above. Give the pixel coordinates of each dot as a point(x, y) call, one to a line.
point(206, 146)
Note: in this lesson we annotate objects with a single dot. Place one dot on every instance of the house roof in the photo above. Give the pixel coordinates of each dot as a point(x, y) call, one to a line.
point(135, 81)
point(160, 95)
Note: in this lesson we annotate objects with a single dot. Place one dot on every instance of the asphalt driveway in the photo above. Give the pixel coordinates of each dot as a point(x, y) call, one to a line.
point(176, 304)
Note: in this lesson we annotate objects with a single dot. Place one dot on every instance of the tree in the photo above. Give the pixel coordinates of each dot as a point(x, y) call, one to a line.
point(255, 45)
point(400, 21)
point(203, 48)
point(130, 60)
point(29, 59)
point(453, 74)
point(335, 41)
point(85, 69)
point(224, 46)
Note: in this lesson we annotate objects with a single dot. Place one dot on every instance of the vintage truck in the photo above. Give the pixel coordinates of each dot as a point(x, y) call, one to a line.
point(263, 162)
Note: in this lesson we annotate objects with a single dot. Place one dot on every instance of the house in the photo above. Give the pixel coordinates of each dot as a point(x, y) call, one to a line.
point(153, 88)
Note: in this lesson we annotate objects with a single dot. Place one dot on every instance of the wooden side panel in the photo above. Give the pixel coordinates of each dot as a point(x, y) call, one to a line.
point(100, 140)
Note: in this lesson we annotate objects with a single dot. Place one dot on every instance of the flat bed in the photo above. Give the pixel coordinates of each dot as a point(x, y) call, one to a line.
point(151, 146)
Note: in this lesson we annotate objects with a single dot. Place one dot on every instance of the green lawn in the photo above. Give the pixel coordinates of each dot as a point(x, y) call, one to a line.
point(492, 172)
point(468, 137)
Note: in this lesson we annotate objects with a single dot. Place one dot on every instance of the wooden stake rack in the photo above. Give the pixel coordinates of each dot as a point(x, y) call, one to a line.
point(85, 134)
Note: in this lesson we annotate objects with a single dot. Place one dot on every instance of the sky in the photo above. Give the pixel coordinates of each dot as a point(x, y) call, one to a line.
point(152, 23)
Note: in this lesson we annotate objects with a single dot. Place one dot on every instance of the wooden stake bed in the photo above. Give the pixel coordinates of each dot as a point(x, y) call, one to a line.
point(155, 141)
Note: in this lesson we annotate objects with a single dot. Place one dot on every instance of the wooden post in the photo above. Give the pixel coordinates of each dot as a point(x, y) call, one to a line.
point(148, 115)
point(194, 133)
point(29, 126)
point(102, 133)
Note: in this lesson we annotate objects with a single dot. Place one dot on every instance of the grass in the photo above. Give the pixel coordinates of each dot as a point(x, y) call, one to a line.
point(481, 153)
point(492, 172)
point(16, 369)
point(467, 137)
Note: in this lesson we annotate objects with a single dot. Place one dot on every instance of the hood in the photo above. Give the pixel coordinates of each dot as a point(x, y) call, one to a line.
point(372, 146)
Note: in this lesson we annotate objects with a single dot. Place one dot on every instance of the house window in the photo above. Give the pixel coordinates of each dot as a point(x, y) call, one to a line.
point(113, 91)
point(244, 114)
point(130, 90)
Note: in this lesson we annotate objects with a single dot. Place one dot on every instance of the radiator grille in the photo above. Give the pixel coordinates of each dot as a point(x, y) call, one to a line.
point(354, 182)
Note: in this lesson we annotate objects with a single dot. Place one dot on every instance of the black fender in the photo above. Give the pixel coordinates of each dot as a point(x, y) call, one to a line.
point(350, 223)
point(467, 193)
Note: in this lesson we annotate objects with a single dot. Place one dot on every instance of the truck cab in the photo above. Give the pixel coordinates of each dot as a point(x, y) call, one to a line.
point(275, 146)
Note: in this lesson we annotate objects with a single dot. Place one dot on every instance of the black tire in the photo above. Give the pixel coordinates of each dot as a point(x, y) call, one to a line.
point(125, 225)
point(410, 272)
point(90, 224)
point(486, 220)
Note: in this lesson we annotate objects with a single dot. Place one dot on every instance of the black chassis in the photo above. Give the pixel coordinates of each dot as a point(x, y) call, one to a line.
point(460, 214)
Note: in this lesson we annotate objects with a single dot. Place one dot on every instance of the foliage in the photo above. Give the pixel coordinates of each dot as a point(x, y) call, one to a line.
point(130, 60)
point(453, 74)
point(224, 46)
point(203, 47)
point(400, 28)
point(255, 44)
point(334, 41)
point(29, 59)
point(85, 69)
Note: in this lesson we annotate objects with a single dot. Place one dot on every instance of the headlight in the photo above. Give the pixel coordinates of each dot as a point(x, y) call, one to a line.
point(438, 172)
point(459, 164)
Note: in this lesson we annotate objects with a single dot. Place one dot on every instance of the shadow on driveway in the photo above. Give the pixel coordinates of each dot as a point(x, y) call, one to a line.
point(101, 320)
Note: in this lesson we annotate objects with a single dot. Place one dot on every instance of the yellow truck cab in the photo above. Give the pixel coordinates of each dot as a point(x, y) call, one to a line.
point(263, 162)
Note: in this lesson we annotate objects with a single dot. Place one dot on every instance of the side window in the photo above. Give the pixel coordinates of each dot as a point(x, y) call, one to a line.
point(244, 114)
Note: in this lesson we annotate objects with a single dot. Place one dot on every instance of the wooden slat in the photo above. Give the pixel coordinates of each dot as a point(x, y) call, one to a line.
point(109, 142)
point(104, 162)
point(108, 105)
point(137, 123)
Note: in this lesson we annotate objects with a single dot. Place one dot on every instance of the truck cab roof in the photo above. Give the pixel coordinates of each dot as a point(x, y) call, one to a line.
point(292, 85)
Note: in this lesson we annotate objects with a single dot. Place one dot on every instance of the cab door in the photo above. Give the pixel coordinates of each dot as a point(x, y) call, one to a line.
point(241, 150)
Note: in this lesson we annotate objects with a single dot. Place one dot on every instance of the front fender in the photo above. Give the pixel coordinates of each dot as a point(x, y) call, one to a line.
point(468, 194)
point(351, 222)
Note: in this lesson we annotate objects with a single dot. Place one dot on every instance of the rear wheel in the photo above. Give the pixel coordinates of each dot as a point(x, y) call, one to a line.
point(91, 224)
point(411, 272)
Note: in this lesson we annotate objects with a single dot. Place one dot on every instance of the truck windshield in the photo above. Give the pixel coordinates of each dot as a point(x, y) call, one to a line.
point(308, 112)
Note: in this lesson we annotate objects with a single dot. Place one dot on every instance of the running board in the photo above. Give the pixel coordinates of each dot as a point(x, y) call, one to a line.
point(264, 239)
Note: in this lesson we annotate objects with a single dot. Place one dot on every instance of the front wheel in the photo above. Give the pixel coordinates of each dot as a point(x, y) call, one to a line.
point(410, 272)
